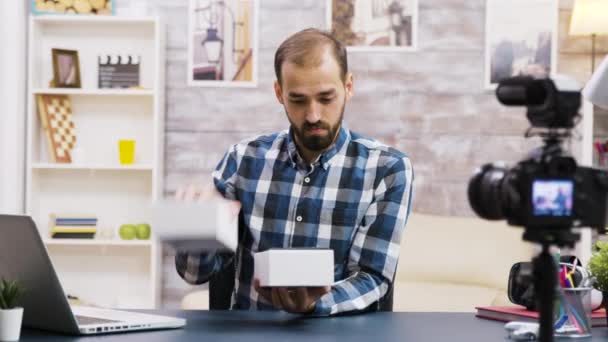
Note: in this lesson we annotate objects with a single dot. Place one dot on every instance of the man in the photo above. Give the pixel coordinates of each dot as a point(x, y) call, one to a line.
point(316, 185)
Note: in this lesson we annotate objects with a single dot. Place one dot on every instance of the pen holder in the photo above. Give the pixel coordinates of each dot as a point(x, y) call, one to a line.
point(573, 314)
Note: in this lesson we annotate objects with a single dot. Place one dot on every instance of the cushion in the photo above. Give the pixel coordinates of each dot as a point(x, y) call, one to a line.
point(460, 250)
point(423, 296)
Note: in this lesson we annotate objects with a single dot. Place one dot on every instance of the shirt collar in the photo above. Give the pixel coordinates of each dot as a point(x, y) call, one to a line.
point(325, 158)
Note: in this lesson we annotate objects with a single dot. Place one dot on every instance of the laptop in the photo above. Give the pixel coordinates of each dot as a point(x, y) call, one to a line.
point(23, 257)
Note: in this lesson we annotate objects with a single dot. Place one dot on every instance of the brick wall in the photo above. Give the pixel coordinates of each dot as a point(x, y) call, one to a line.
point(430, 103)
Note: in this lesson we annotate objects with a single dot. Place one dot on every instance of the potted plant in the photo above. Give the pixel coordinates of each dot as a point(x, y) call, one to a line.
point(598, 267)
point(10, 315)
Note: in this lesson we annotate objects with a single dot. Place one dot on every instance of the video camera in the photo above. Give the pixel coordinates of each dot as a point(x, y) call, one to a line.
point(547, 193)
point(547, 190)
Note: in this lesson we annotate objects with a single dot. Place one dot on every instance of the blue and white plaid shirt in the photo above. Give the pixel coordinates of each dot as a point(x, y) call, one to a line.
point(355, 199)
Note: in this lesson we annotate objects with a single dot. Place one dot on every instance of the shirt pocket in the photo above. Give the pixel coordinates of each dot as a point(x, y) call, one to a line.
point(336, 230)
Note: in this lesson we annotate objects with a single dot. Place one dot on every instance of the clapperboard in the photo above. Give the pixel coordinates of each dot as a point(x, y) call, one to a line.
point(118, 71)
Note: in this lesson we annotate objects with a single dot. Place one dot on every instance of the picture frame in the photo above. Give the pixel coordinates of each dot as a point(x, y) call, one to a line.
point(374, 25)
point(77, 7)
point(66, 69)
point(521, 39)
point(223, 43)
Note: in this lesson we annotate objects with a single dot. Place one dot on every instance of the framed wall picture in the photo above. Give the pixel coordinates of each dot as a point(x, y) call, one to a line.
point(90, 7)
point(374, 25)
point(66, 69)
point(521, 39)
point(222, 43)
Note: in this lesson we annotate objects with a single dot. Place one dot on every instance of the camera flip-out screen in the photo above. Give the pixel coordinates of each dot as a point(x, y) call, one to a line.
point(552, 197)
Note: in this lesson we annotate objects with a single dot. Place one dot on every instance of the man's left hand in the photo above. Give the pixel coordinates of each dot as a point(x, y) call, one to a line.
point(294, 300)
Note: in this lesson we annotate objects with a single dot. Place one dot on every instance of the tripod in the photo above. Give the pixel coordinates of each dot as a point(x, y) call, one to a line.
point(545, 272)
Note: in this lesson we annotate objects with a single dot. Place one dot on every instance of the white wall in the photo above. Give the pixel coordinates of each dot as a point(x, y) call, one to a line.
point(13, 62)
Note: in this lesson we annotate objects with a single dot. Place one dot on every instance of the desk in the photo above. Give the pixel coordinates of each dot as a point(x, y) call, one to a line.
point(229, 326)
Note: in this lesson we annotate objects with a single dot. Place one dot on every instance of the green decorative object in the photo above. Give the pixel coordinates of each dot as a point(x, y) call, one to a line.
point(143, 231)
point(10, 293)
point(127, 231)
point(598, 266)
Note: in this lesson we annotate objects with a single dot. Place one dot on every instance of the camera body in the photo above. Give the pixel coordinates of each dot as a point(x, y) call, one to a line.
point(541, 192)
point(547, 190)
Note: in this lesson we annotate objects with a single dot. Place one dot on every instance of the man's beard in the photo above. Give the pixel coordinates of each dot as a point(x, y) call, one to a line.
point(317, 142)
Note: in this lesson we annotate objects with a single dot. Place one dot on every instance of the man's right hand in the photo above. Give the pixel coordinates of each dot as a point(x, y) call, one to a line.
point(197, 193)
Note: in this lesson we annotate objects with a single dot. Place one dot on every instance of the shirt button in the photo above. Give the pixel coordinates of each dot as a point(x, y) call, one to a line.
point(307, 180)
point(299, 218)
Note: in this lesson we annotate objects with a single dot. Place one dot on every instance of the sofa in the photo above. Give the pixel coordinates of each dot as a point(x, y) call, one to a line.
point(446, 264)
point(453, 264)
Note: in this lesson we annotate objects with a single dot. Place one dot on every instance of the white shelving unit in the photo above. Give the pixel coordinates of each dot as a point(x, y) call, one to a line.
point(583, 247)
point(104, 271)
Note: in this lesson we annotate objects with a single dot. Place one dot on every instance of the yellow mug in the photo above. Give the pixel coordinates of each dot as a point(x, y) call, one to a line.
point(126, 151)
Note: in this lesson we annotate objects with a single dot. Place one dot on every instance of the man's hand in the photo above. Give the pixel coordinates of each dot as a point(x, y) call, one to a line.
point(194, 193)
point(294, 300)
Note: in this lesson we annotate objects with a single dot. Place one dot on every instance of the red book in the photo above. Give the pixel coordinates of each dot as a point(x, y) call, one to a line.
point(519, 313)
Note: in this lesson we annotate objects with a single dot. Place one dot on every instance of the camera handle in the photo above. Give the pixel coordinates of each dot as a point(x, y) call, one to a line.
point(545, 272)
point(545, 280)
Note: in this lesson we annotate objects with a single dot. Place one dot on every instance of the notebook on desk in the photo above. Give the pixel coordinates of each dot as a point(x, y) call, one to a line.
point(520, 313)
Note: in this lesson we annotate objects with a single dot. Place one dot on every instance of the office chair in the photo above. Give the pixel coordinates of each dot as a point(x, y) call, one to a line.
point(221, 285)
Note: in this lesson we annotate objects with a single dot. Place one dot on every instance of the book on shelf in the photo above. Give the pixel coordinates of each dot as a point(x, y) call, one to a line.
point(72, 220)
point(520, 313)
point(75, 222)
point(73, 232)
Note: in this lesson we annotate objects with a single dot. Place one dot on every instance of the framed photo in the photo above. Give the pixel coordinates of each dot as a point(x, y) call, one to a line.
point(90, 7)
point(66, 69)
point(521, 39)
point(374, 25)
point(223, 43)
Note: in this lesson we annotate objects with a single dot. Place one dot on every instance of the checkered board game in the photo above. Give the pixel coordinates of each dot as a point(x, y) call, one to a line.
point(56, 118)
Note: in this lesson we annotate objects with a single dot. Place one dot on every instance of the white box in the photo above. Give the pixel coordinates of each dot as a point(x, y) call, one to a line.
point(295, 267)
point(207, 225)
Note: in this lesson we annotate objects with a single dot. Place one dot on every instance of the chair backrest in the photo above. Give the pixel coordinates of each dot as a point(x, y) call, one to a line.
point(221, 286)
point(386, 303)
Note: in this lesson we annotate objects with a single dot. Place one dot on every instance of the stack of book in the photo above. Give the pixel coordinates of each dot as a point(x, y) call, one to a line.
point(73, 226)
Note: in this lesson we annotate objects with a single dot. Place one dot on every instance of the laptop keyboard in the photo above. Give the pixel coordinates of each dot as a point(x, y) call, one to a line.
point(93, 320)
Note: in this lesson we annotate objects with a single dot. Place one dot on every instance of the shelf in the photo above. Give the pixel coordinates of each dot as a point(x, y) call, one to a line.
point(78, 19)
point(94, 92)
point(96, 181)
point(92, 167)
point(97, 242)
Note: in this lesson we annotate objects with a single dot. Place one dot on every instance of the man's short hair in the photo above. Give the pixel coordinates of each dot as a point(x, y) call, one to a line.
point(306, 48)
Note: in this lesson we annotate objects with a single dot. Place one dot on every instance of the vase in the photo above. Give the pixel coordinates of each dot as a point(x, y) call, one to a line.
point(10, 324)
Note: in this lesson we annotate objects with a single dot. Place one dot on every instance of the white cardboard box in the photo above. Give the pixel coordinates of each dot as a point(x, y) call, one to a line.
point(295, 267)
point(207, 225)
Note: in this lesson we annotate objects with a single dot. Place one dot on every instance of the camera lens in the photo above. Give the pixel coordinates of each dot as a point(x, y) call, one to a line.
point(486, 191)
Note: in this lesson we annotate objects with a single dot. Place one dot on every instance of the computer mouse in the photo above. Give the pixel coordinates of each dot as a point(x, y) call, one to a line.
point(524, 335)
point(516, 325)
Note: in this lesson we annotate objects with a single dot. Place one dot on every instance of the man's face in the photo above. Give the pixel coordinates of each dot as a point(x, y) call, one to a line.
point(314, 98)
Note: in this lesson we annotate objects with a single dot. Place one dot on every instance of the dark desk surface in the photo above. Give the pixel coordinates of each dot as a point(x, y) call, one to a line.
point(270, 326)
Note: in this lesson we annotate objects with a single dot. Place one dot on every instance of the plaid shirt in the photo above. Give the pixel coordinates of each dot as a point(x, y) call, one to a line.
point(355, 199)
